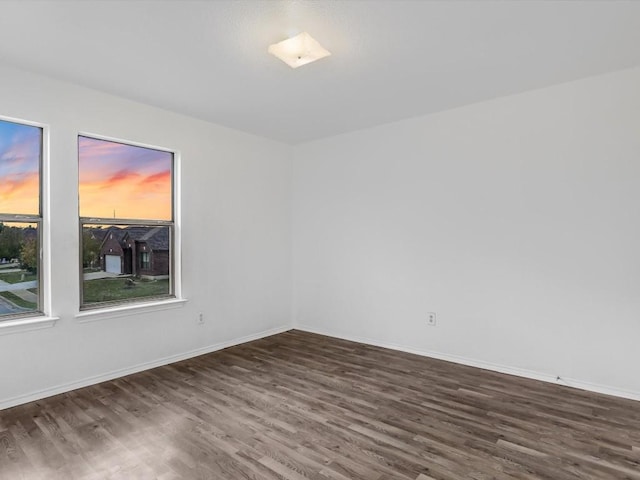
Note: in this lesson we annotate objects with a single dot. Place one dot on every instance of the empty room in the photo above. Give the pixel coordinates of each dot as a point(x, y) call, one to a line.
point(320, 239)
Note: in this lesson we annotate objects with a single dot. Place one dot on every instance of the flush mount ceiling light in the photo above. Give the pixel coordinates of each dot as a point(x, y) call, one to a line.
point(299, 50)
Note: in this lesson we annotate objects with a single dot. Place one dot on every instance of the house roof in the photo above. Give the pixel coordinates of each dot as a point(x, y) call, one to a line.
point(97, 233)
point(117, 233)
point(135, 233)
point(157, 238)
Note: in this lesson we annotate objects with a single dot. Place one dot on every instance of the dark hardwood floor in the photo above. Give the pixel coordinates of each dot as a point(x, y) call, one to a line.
point(303, 406)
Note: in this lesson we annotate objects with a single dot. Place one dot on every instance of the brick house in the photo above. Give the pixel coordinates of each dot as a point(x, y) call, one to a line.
point(137, 251)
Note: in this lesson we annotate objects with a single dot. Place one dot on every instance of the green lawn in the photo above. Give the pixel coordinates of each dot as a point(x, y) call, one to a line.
point(16, 300)
point(16, 277)
point(114, 289)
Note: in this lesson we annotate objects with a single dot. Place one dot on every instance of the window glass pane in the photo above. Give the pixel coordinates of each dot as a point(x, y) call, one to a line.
point(19, 251)
point(124, 262)
point(20, 150)
point(124, 181)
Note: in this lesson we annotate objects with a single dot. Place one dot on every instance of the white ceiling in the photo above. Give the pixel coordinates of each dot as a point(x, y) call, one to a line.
point(390, 59)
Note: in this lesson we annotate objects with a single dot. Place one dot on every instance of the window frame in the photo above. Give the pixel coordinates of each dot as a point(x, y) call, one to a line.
point(39, 220)
point(145, 261)
point(174, 281)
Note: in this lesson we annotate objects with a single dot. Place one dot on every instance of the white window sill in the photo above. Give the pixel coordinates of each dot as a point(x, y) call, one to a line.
point(28, 324)
point(98, 314)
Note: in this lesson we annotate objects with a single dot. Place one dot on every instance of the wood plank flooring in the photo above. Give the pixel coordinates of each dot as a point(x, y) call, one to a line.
point(301, 406)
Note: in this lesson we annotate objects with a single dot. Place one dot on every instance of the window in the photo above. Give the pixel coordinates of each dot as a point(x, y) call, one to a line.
point(144, 261)
point(20, 219)
point(126, 222)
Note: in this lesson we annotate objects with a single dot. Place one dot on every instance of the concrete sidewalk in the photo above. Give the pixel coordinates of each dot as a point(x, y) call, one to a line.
point(10, 287)
point(26, 295)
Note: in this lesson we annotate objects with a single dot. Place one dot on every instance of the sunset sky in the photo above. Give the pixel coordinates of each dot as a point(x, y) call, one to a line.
point(135, 182)
point(19, 168)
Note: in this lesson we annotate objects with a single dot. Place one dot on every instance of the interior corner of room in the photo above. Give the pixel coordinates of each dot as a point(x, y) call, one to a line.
point(498, 232)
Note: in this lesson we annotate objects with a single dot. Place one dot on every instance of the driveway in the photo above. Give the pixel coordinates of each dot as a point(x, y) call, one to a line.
point(6, 307)
point(99, 275)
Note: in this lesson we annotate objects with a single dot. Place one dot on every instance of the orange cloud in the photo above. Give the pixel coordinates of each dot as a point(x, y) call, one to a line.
point(19, 194)
point(125, 195)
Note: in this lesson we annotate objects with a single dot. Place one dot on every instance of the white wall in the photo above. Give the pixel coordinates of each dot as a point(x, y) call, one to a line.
point(516, 220)
point(236, 231)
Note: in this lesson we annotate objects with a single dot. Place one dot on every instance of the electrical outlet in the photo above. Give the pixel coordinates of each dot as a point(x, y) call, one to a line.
point(200, 318)
point(431, 319)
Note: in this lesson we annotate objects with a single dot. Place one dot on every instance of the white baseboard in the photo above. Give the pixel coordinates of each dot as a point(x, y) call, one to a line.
point(574, 383)
point(520, 372)
point(67, 387)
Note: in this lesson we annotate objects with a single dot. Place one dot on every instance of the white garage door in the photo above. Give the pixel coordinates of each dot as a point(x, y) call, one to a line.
point(112, 264)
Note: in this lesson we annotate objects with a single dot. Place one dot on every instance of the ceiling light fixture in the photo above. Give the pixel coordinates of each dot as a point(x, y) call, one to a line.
point(299, 50)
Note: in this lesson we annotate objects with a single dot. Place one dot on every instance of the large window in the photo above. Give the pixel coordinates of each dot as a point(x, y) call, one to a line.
point(126, 222)
point(20, 219)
